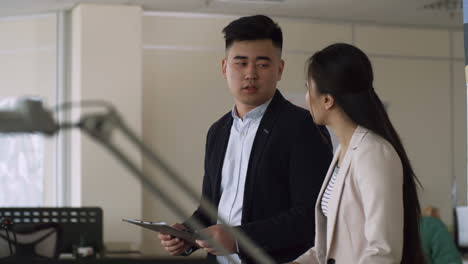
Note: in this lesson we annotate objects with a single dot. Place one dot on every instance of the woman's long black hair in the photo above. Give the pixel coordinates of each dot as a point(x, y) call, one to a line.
point(345, 72)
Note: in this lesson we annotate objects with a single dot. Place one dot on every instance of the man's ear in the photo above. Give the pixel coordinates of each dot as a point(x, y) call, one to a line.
point(329, 101)
point(280, 70)
point(223, 67)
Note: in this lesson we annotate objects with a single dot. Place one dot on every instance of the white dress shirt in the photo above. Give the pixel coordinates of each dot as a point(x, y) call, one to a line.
point(235, 166)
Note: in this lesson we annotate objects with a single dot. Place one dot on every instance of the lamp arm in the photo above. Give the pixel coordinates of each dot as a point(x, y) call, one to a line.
point(100, 127)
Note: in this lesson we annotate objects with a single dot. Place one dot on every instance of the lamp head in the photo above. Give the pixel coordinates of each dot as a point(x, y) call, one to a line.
point(27, 115)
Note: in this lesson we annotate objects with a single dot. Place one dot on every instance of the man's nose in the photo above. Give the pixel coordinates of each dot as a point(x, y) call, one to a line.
point(251, 72)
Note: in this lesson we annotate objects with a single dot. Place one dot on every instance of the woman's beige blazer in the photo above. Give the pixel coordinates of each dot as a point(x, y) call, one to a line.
point(365, 212)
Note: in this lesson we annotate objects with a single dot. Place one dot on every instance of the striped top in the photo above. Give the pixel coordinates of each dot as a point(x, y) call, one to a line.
point(328, 192)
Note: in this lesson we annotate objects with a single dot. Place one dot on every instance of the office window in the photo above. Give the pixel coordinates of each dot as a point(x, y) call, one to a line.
point(27, 68)
point(21, 168)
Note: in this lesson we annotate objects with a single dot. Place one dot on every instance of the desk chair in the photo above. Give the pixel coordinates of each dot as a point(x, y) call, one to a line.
point(33, 241)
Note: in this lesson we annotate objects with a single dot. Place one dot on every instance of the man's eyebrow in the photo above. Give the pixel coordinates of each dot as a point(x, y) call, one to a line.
point(263, 58)
point(240, 57)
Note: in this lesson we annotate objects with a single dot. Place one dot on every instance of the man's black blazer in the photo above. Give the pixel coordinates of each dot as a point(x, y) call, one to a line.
point(288, 162)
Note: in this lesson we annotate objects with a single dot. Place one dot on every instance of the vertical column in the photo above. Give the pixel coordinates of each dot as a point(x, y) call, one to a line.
point(106, 65)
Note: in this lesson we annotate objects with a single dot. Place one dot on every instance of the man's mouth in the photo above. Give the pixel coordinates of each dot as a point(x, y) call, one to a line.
point(250, 88)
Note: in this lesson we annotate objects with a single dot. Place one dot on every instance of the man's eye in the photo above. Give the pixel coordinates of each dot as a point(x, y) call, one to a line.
point(263, 65)
point(241, 63)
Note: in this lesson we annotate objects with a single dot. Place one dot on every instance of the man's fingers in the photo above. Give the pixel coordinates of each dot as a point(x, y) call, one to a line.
point(162, 236)
point(171, 242)
point(178, 251)
point(175, 247)
point(202, 243)
point(207, 247)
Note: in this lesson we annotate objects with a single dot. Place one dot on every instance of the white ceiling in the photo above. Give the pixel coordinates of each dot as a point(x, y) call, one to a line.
point(400, 12)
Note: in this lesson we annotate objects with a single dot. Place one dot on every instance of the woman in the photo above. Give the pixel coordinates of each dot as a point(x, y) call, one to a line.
point(368, 208)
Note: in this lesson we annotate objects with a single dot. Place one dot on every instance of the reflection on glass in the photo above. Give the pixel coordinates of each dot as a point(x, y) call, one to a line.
point(21, 168)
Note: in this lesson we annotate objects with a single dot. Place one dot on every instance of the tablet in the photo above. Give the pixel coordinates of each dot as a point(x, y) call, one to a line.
point(166, 229)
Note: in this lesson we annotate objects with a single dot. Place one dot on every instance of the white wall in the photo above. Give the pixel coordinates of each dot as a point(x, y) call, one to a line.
point(418, 72)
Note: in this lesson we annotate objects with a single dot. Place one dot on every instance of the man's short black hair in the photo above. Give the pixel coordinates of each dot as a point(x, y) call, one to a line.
point(253, 28)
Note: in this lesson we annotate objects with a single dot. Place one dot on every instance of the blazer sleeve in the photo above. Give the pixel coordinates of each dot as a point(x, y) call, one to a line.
point(309, 158)
point(379, 175)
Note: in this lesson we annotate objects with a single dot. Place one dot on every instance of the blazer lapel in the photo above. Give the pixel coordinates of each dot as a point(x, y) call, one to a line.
point(335, 199)
point(320, 219)
point(339, 183)
point(261, 138)
point(220, 152)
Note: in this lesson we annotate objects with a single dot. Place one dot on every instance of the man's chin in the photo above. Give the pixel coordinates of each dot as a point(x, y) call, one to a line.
point(254, 102)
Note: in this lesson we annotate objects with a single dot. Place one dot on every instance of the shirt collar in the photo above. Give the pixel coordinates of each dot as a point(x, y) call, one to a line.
point(253, 114)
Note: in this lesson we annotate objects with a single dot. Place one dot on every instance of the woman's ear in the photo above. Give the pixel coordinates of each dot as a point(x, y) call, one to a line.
point(329, 101)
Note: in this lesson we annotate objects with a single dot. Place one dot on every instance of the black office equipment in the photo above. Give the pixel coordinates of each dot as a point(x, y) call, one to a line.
point(31, 241)
point(78, 226)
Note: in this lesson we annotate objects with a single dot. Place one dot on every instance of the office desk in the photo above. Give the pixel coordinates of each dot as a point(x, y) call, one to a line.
point(139, 260)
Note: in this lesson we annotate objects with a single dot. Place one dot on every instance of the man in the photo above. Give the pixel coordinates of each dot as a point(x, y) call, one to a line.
point(265, 160)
